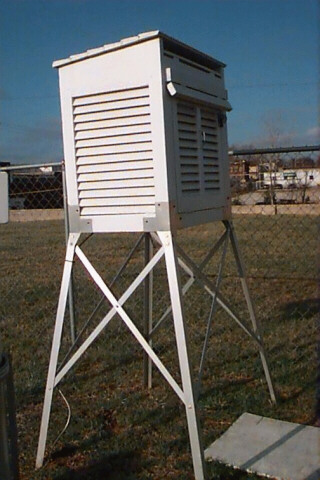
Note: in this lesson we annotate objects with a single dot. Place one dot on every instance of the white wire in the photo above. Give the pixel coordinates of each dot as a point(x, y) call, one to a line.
point(68, 419)
point(62, 431)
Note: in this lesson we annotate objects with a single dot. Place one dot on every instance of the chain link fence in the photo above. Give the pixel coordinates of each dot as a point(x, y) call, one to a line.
point(119, 429)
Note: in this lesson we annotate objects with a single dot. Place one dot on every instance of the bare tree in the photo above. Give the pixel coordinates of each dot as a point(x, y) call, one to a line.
point(274, 127)
point(303, 185)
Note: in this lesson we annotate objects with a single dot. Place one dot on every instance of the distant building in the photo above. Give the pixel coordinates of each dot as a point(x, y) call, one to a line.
point(291, 178)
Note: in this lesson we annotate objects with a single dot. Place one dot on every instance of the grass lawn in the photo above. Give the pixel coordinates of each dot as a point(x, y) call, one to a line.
point(118, 429)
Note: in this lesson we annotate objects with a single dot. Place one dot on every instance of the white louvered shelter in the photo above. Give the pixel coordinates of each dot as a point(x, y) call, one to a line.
point(144, 136)
point(145, 142)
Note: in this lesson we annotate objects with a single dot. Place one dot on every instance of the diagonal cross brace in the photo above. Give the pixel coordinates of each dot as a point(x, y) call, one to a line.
point(191, 280)
point(196, 273)
point(191, 268)
point(117, 308)
point(53, 378)
point(101, 301)
point(212, 312)
point(104, 322)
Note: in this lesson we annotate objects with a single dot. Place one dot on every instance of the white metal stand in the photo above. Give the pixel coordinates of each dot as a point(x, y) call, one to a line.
point(174, 256)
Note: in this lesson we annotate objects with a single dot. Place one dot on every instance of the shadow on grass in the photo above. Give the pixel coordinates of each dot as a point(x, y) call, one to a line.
point(125, 465)
point(219, 471)
point(306, 308)
point(224, 384)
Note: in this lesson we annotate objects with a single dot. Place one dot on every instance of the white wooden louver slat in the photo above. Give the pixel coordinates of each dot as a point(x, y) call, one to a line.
point(128, 147)
point(110, 106)
point(114, 201)
point(114, 157)
point(112, 114)
point(116, 185)
point(118, 210)
point(112, 132)
point(117, 166)
point(114, 140)
point(120, 175)
point(111, 96)
point(119, 194)
point(95, 125)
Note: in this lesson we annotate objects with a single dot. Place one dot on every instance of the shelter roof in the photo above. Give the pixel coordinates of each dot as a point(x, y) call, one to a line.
point(170, 44)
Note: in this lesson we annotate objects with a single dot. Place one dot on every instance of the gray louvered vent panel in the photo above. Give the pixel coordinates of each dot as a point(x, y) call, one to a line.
point(114, 155)
point(210, 150)
point(198, 138)
point(188, 147)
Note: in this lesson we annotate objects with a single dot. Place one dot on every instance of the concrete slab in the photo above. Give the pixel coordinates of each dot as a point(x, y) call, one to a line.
point(277, 449)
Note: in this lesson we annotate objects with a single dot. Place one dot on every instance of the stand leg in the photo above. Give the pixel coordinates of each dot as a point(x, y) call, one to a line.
point(255, 323)
point(182, 346)
point(148, 296)
point(72, 242)
point(67, 232)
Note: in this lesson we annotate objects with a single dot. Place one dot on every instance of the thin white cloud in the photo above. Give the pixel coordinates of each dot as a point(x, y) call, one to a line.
point(313, 132)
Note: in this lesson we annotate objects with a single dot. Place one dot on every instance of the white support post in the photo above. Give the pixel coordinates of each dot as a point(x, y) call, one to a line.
point(253, 318)
point(72, 242)
point(148, 299)
point(184, 359)
point(73, 332)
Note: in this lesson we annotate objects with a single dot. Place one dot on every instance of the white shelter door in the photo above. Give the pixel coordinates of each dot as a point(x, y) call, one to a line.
point(198, 157)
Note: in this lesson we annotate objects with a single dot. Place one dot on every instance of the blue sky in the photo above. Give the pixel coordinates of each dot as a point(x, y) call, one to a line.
point(271, 48)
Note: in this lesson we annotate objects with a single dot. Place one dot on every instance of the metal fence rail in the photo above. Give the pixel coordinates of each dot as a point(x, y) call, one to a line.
point(276, 208)
point(38, 186)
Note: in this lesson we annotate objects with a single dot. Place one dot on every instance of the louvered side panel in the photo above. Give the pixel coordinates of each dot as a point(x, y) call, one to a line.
point(210, 150)
point(114, 156)
point(188, 147)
